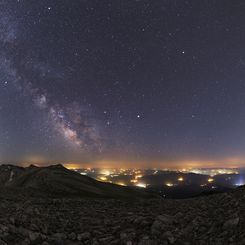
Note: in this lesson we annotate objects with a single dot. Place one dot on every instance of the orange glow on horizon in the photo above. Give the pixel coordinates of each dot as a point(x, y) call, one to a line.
point(72, 165)
point(183, 165)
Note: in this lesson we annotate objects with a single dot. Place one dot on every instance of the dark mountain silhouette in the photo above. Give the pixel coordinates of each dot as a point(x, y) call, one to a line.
point(56, 180)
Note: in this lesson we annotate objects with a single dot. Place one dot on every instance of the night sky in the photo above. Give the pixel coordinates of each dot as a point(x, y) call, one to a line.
point(122, 83)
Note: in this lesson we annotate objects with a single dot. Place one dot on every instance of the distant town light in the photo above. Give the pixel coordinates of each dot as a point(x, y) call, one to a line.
point(138, 176)
point(121, 183)
point(103, 178)
point(133, 180)
point(105, 172)
point(240, 183)
point(180, 179)
point(169, 184)
point(210, 180)
point(142, 185)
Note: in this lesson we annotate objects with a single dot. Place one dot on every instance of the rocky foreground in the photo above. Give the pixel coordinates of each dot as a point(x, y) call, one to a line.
point(216, 219)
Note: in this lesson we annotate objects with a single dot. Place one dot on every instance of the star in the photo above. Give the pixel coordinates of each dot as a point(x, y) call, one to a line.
point(69, 78)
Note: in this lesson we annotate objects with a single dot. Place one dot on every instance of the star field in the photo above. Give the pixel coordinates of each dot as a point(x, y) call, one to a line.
point(146, 83)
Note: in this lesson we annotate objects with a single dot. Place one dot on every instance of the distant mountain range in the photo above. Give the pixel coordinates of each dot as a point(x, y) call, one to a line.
point(56, 180)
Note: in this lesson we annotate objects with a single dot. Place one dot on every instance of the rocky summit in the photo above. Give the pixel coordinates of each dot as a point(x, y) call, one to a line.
point(216, 219)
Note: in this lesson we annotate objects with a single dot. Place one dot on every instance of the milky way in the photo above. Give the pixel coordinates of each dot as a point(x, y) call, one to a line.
point(142, 83)
point(71, 120)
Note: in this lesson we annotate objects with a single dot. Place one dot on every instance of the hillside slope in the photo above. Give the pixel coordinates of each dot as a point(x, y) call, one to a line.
point(57, 181)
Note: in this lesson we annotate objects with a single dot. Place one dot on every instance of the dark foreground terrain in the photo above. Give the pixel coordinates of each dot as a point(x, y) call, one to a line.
point(216, 219)
point(53, 205)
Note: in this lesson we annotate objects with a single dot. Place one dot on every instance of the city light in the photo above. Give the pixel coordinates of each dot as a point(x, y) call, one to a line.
point(121, 183)
point(213, 172)
point(138, 176)
point(105, 172)
point(239, 184)
point(133, 180)
point(142, 185)
point(167, 178)
point(180, 179)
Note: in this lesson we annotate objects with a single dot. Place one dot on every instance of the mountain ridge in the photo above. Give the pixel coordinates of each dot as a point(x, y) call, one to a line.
point(56, 180)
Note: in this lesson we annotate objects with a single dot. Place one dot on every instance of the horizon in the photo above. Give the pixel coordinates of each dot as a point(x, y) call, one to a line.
point(74, 166)
point(149, 84)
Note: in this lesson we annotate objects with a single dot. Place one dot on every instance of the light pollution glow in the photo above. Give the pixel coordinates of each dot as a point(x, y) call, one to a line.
point(168, 164)
point(226, 163)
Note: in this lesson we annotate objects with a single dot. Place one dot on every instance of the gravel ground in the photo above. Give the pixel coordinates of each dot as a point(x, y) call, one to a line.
point(216, 219)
